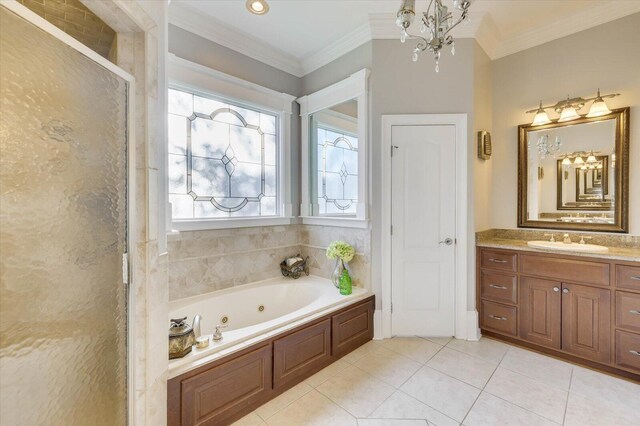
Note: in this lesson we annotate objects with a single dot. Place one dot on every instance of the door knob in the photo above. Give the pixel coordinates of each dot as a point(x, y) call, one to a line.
point(447, 241)
point(556, 289)
point(565, 290)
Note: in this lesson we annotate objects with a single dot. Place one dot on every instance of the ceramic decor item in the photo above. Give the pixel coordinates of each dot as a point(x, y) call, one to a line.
point(181, 338)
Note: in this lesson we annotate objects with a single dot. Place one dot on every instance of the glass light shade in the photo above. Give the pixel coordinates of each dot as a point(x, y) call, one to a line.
point(598, 108)
point(599, 166)
point(584, 167)
point(406, 14)
point(592, 166)
point(578, 161)
point(566, 161)
point(568, 113)
point(591, 158)
point(540, 118)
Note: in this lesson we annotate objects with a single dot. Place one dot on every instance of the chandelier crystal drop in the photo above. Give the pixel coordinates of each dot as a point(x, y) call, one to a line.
point(437, 21)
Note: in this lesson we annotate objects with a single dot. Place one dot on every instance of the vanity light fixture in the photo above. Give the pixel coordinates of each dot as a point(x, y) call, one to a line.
point(257, 7)
point(568, 109)
point(437, 23)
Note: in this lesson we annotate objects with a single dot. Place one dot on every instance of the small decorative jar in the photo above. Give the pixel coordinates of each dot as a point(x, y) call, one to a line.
point(345, 283)
point(181, 338)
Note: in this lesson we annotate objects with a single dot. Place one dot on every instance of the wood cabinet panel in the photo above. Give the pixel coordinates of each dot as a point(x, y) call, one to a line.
point(552, 267)
point(216, 395)
point(500, 287)
point(499, 260)
point(351, 328)
point(586, 322)
point(297, 356)
point(628, 311)
point(628, 277)
point(500, 318)
point(628, 350)
point(540, 311)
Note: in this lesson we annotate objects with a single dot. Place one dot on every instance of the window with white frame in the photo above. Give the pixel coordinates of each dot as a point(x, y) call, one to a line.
point(223, 158)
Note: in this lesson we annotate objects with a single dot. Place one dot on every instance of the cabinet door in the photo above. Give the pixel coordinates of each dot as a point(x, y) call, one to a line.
point(298, 355)
point(351, 328)
point(586, 322)
point(540, 311)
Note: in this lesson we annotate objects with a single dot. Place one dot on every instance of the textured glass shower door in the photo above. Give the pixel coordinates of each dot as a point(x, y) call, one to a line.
point(63, 231)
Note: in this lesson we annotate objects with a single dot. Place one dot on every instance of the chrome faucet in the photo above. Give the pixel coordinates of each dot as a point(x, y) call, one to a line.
point(196, 325)
point(552, 240)
point(566, 239)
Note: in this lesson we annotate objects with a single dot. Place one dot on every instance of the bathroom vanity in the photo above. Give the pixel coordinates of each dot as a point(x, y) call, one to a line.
point(228, 388)
point(584, 308)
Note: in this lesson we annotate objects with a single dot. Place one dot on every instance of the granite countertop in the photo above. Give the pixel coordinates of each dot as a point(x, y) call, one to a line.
point(616, 253)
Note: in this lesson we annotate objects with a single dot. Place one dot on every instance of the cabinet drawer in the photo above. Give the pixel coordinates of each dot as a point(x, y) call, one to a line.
point(352, 328)
point(499, 287)
point(628, 350)
point(499, 260)
point(628, 311)
point(301, 354)
point(628, 277)
point(500, 318)
point(216, 395)
point(565, 269)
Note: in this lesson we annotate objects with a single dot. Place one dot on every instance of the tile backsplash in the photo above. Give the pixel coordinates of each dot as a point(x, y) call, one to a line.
point(205, 261)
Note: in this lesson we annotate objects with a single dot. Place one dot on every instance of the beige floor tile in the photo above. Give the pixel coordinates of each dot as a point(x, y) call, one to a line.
point(402, 406)
point(537, 366)
point(420, 350)
point(583, 411)
point(486, 349)
point(470, 370)
point(251, 419)
point(352, 357)
point(313, 409)
point(326, 373)
point(491, 411)
point(356, 391)
point(615, 392)
point(530, 394)
point(446, 394)
point(391, 422)
point(439, 340)
point(281, 401)
point(388, 366)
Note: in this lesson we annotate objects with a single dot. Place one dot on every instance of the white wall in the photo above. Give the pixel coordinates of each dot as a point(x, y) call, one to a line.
point(607, 56)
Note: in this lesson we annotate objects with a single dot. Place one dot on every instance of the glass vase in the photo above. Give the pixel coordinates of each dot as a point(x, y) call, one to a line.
point(337, 272)
point(345, 283)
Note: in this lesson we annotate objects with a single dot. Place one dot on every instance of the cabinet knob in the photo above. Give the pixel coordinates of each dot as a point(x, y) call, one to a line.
point(635, 352)
point(634, 312)
point(498, 318)
point(565, 290)
point(556, 289)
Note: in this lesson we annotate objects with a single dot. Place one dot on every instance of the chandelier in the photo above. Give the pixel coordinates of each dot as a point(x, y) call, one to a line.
point(438, 23)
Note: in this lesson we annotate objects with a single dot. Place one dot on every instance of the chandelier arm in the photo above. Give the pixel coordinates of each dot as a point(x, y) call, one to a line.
point(422, 42)
point(454, 25)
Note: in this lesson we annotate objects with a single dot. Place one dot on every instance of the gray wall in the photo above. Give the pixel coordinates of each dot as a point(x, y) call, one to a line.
point(607, 56)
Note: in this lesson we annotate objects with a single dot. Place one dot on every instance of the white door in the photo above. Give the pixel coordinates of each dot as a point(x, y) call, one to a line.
point(423, 234)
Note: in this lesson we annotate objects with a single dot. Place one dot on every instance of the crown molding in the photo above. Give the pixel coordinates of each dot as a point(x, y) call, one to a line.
point(356, 38)
point(241, 42)
point(580, 21)
point(382, 26)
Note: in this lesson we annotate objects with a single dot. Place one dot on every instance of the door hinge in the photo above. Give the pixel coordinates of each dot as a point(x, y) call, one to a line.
point(391, 229)
point(391, 307)
point(392, 150)
point(125, 268)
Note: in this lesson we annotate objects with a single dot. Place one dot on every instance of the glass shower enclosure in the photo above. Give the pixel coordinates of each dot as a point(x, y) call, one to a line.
point(63, 232)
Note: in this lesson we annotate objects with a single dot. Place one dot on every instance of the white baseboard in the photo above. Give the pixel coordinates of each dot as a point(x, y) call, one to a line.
point(377, 325)
point(473, 326)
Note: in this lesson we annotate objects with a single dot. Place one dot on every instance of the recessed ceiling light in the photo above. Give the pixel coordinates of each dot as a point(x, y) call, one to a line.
point(257, 7)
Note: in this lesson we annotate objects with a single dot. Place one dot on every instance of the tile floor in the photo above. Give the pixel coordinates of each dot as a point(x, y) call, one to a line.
point(421, 381)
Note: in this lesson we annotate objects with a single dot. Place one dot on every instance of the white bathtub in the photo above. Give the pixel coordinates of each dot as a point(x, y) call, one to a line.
point(287, 303)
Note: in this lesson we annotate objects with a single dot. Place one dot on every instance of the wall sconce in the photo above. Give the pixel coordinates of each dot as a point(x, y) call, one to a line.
point(568, 109)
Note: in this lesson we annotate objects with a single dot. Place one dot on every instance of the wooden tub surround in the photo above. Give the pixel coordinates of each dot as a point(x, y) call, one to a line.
point(583, 309)
point(231, 387)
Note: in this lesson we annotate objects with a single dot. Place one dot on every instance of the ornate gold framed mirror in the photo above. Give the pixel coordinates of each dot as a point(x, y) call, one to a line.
point(574, 175)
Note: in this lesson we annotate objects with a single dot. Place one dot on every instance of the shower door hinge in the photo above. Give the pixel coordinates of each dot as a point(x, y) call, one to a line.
point(125, 268)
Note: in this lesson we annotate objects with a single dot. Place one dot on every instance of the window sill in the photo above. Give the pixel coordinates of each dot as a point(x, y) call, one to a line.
point(343, 222)
point(240, 222)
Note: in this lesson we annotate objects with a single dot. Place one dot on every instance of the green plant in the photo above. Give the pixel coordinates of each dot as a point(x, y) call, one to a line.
point(340, 250)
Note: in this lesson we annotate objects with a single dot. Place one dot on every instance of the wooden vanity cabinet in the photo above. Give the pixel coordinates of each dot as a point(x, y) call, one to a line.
point(584, 309)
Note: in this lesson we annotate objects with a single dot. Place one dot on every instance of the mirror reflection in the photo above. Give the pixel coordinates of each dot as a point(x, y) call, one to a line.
point(571, 173)
point(334, 161)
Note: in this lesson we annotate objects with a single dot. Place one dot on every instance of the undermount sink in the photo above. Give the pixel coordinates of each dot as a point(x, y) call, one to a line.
point(559, 245)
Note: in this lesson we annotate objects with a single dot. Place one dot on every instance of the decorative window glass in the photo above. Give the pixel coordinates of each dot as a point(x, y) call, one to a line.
point(223, 158)
point(337, 171)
